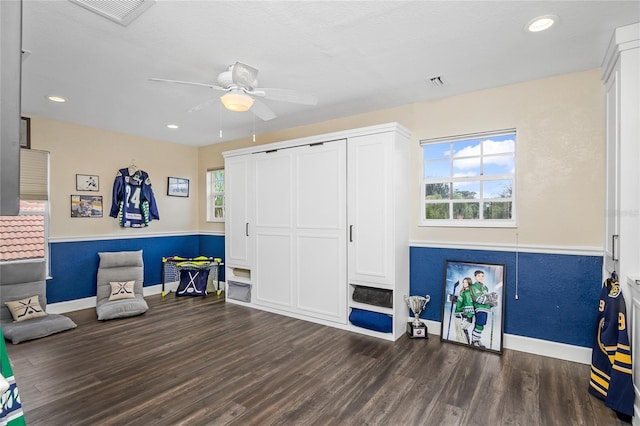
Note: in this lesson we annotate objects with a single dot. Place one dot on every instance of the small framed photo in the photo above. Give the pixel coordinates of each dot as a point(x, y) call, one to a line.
point(86, 206)
point(87, 183)
point(178, 187)
point(473, 305)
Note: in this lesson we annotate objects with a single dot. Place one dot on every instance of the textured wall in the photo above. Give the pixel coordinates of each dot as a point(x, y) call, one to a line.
point(557, 294)
point(74, 265)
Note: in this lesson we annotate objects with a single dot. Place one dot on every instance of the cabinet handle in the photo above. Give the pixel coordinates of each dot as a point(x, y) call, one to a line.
point(246, 229)
point(350, 233)
point(614, 239)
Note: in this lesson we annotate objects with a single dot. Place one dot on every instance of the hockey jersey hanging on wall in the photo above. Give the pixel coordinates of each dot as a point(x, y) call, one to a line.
point(133, 202)
point(611, 368)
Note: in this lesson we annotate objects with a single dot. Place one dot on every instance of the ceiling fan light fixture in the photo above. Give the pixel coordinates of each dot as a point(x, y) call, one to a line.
point(238, 102)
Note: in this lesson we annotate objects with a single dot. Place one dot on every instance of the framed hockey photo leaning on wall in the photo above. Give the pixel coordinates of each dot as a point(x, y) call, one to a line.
point(177, 187)
point(473, 304)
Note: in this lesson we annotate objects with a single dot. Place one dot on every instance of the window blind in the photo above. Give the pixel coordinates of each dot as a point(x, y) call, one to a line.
point(34, 174)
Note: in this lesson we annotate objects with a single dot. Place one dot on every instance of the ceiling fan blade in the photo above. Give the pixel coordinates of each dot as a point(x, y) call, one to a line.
point(244, 75)
point(288, 95)
point(190, 83)
point(203, 105)
point(262, 111)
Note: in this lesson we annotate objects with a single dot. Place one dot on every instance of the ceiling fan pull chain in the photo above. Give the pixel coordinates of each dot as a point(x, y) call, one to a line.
point(220, 120)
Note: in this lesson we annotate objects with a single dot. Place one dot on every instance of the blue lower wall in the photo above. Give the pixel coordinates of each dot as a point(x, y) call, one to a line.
point(74, 265)
point(557, 294)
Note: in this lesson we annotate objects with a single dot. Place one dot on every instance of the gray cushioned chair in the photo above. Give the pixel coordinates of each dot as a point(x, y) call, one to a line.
point(19, 281)
point(119, 267)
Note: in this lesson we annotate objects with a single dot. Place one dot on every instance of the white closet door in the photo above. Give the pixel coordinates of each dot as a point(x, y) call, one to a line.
point(273, 183)
point(320, 230)
point(300, 230)
point(371, 180)
point(237, 179)
point(612, 187)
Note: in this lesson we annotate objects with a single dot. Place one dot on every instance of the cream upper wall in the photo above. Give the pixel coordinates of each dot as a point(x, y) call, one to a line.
point(84, 150)
point(560, 160)
point(560, 157)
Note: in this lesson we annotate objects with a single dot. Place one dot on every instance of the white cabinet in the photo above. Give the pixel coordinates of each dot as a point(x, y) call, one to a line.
point(378, 225)
point(621, 73)
point(323, 214)
point(633, 322)
point(371, 207)
point(237, 175)
point(238, 235)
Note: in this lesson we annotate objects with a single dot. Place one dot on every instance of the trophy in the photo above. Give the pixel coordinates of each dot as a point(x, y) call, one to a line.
point(416, 328)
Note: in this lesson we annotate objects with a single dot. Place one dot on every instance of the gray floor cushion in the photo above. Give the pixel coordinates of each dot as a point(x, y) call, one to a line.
point(121, 308)
point(120, 267)
point(35, 328)
point(20, 280)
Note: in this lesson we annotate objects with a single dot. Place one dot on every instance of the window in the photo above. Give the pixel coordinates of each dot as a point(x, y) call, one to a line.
point(215, 195)
point(26, 236)
point(469, 180)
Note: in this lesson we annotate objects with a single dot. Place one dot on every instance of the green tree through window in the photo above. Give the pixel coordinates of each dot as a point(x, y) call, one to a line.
point(469, 179)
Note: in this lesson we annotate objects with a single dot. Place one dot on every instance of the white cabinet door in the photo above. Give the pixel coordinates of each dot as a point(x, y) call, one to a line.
point(371, 180)
point(300, 223)
point(612, 189)
point(320, 230)
point(273, 182)
point(237, 221)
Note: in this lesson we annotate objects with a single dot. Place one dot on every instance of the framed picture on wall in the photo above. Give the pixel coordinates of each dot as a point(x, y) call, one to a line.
point(473, 304)
point(86, 206)
point(178, 187)
point(87, 183)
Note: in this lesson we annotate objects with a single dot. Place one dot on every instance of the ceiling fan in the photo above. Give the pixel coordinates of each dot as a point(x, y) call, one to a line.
point(241, 84)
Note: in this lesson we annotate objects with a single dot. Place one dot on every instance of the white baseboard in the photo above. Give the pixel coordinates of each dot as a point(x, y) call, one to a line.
point(90, 302)
point(72, 305)
point(563, 351)
point(530, 345)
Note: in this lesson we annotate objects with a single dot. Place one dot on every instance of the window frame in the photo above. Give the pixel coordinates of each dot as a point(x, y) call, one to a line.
point(452, 180)
point(211, 207)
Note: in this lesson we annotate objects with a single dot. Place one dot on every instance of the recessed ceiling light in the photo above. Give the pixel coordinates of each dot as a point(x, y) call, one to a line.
point(541, 23)
point(172, 126)
point(54, 98)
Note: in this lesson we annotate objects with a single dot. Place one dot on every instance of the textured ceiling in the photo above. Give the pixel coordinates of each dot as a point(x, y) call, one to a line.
point(357, 56)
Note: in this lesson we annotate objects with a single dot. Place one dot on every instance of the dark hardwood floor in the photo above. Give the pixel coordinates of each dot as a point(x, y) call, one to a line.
point(200, 361)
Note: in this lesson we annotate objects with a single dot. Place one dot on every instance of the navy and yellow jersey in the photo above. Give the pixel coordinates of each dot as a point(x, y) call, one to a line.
point(611, 367)
point(133, 202)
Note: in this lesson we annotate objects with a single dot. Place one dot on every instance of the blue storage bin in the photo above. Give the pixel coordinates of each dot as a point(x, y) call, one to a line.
point(371, 320)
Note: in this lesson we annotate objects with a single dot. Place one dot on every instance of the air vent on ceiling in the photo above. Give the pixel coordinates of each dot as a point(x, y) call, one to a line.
point(122, 12)
point(437, 81)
